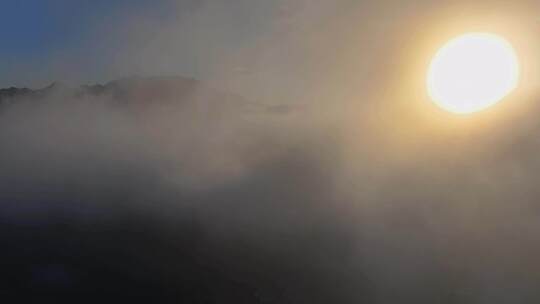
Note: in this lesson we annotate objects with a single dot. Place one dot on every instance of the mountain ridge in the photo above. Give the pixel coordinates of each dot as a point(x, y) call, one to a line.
point(146, 91)
point(114, 87)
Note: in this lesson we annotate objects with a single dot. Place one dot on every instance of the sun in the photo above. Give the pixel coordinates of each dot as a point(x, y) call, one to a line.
point(472, 72)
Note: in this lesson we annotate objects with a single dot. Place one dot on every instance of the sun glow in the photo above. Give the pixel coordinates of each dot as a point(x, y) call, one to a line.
point(472, 72)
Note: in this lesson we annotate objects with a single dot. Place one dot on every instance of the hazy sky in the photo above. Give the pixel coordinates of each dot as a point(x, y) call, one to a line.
point(36, 34)
point(82, 40)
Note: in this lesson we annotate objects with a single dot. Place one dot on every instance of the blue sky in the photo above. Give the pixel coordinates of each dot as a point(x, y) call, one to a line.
point(34, 31)
point(43, 25)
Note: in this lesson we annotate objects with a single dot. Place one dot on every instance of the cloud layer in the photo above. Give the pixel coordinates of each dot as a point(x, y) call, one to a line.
point(335, 181)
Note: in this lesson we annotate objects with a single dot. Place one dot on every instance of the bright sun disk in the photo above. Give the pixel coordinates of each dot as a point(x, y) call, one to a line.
point(472, 72)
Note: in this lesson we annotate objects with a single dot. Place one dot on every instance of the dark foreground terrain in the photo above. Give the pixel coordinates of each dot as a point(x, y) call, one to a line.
point(87, 212)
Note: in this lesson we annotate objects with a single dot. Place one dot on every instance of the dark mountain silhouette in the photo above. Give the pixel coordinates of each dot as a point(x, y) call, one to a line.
point(139, 92)
point(126, 90)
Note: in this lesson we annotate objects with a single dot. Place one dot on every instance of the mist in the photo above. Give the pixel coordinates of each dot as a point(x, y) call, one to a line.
point(302, 166)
